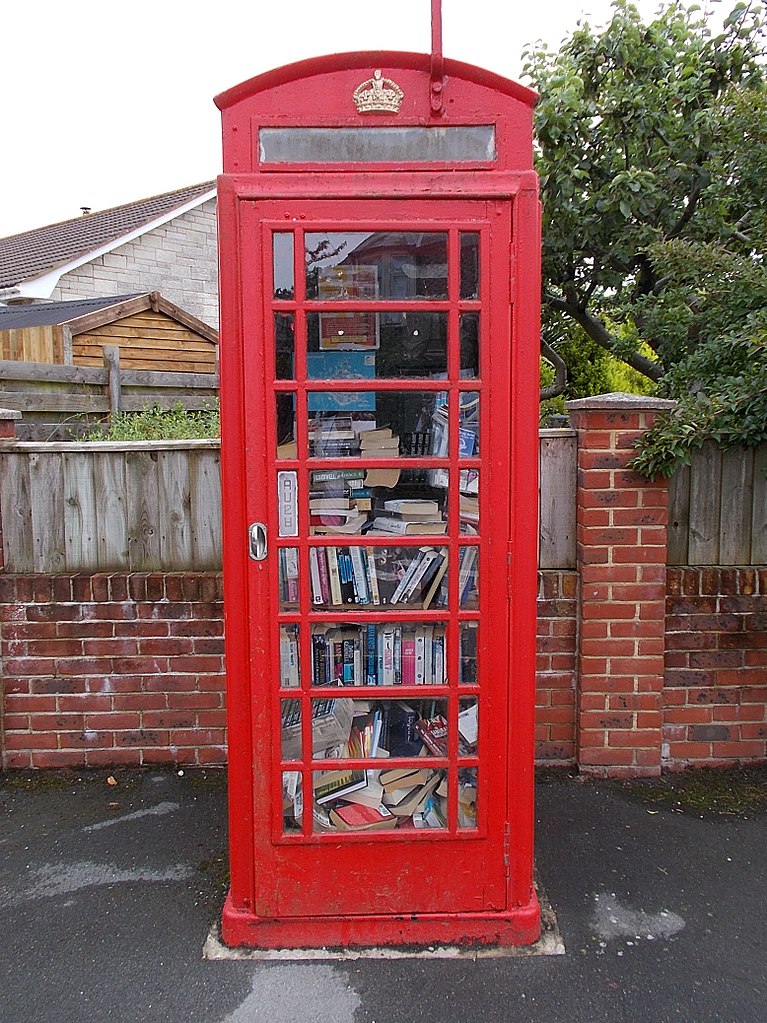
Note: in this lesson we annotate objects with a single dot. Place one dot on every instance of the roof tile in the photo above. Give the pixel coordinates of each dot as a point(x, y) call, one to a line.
point(33, 252)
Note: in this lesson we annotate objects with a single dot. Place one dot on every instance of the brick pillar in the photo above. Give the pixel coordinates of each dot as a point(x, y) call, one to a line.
point(622, 525)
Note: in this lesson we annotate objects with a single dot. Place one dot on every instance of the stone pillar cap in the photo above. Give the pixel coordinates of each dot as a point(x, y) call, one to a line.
point(620, 401)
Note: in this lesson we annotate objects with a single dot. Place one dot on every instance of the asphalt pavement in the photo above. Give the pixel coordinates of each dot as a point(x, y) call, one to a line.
point(108, 892)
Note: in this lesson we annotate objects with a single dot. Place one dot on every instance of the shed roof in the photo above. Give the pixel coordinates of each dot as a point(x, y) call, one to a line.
point(33, 252)
point(45, 314)
point(83, 315)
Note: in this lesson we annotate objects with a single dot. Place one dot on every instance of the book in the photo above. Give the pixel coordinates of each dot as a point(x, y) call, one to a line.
point(314, 573)
point(416, 798)
point(433, 734)
point(330, 504)
point(375, 595)
point(351, 525)
point(404, 778)
point(421, 569)
point(435, 584)
point(336, 598)
point(411, 569)
point(356, 817)
point(331, 724)
point(413, 507)
point(404, 527)
point(332, 785)
point(289, 673)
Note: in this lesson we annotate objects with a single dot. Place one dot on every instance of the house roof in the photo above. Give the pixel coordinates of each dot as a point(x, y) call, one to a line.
point(45, 314)
point(82, 315)
point(33, 252)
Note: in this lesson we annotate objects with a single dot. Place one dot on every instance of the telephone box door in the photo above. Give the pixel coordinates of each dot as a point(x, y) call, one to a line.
point(377, 381)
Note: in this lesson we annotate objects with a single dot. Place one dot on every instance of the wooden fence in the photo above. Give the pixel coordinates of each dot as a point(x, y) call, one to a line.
point(145, 506)
point(718, 508)
point(61, 402)
point(155, 506)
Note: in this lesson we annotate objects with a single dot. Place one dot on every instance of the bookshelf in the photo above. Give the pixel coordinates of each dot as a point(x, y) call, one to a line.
point(380, 549)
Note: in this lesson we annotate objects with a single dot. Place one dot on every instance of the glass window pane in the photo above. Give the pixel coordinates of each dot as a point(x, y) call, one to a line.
point(348, 501)
point(284, 346)
point(468, 578)
point(371, 577)
point(292, 802)
point(290, 717)
point(283, 265)
point(468, 727)
point(369, 424)
point(358, 266)
point(468, 787)
point(379, 654)
point(285, 416)
point(469, 331)
point(469, 498)
point(468, 634)
point(289, 592)
point(469, 266)
point(290, 664)
point(368, 344)
point(468, 436)
point(454, 144)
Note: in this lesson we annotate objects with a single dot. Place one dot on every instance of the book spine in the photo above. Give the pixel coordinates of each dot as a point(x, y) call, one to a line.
point(375, 596)
point(338, 662)
point(419, 655)
point(360, 578)
point(322, 564)
point(357, 660)
point(314, 575)
point(372, 674)
point(428, 654)
point(335, 583)
point(426, 561)
point(397, 655)
point(388, 655)
point(408, 659)
point(290, 564)
point(348, 670)
point(404, 581)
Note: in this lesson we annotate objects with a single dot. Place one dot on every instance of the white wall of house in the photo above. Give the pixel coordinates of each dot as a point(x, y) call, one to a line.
point(178, 259)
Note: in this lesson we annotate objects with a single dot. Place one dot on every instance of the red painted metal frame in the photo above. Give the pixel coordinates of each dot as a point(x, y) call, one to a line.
point(270, 872)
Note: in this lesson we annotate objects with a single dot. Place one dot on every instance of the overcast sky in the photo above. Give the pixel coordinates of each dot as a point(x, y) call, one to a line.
point(104, 103)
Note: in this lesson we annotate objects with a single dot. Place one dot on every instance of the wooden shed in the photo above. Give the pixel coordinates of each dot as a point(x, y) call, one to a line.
point(150, 333)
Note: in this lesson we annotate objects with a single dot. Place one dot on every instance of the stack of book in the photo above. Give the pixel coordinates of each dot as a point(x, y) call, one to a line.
point(373, 575)
point(391, 654)
point(403, 517)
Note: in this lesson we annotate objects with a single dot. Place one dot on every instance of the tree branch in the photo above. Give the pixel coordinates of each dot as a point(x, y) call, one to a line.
point(560, 372)
point(597, 331)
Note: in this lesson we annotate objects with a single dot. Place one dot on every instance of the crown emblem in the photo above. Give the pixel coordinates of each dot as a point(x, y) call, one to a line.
point(378, 95)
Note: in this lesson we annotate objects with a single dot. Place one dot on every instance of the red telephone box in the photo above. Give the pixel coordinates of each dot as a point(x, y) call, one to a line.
point(379, 235)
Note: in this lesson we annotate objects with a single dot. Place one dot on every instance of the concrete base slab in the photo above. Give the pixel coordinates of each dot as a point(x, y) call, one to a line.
point(550, 943)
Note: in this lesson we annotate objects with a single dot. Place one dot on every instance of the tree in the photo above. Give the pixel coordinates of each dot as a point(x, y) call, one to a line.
point(651, 149)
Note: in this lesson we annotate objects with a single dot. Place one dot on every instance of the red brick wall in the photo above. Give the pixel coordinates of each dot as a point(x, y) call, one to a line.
point(556, 667)
point(128, 669)
point(715, 697)
point(112, 669)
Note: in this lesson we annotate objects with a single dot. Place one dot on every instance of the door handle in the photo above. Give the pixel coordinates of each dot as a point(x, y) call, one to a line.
point(257, 546)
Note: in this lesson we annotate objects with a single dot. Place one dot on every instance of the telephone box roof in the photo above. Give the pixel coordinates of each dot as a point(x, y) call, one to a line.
point(372, 58)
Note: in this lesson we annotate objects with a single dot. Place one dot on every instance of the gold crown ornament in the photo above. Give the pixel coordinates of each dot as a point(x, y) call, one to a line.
point(378, 95)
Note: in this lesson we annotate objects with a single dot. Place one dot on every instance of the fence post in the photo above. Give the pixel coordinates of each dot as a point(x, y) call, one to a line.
point(622, 535)
point(112, 365)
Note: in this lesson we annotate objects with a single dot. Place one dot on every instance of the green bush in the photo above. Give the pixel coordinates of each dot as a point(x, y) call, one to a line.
point(156, 423)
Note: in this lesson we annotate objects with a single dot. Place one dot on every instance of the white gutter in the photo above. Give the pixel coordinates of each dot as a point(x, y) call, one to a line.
point(43, 285)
